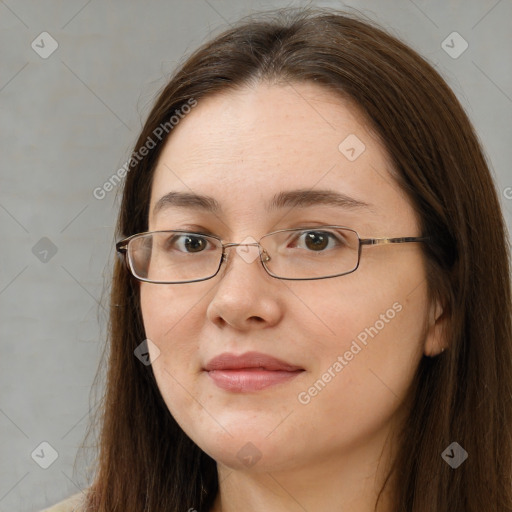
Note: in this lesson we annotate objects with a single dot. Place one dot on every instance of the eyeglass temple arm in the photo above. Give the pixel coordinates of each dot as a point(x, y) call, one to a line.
point(122, 246)
point(384, 241)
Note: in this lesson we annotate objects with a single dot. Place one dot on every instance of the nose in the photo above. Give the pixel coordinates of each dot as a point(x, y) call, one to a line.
point(242, 299)
point(244, 253)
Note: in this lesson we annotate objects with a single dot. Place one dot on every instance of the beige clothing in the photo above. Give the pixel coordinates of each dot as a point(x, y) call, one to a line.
point(71, 504)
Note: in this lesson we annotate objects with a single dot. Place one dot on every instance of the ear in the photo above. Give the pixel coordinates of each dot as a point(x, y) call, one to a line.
point(435, 338)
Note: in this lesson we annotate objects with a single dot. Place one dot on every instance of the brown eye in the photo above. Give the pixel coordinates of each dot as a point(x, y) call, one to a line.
point(315, 240)
point(318, 241)
point(187, 243)
point(194, 243)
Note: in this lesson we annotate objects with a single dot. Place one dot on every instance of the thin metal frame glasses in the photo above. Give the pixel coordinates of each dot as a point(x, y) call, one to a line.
point(124, 247)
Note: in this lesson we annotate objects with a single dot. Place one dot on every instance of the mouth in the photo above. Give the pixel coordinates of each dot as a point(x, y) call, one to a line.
point(249, 372)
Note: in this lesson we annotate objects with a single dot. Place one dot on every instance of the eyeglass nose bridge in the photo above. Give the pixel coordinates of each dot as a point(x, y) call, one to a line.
point(264, 254)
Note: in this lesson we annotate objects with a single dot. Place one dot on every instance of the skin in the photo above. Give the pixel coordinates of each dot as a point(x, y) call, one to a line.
point(242, 147)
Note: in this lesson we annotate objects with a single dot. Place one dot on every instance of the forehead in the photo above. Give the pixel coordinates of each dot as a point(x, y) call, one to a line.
point(301, 120)
point(256, 141)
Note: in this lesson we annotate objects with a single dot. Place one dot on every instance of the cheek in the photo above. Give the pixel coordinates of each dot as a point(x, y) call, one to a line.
point(171, 323)
point(168, 314)
point(366, 363)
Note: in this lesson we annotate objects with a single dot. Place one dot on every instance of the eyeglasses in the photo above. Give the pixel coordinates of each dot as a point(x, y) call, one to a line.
point(175, 256)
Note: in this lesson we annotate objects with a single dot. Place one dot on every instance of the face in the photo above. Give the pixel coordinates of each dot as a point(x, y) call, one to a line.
point(356, 339)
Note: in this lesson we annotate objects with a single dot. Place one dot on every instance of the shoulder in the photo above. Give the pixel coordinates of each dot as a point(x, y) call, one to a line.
point(71, 504)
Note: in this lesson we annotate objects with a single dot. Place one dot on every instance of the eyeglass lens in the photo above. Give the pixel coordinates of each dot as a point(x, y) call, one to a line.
point(290, 254)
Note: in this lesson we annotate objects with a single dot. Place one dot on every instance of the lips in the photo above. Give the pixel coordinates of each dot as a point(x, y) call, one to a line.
point(229, 361)
point(252, 371)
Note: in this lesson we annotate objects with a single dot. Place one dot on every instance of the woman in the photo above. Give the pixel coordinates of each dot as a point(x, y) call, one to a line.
point(312, 306)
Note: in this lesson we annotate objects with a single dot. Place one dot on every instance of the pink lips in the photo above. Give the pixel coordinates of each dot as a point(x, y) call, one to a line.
point(251, 371)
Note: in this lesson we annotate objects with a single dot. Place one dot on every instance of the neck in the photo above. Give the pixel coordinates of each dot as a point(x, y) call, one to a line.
point(341, 480)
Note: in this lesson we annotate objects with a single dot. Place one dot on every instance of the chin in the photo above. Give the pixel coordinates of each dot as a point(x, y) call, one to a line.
point(249, 448)
point(242, 454)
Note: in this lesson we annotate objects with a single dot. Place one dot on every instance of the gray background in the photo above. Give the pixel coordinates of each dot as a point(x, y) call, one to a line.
point(69, 121)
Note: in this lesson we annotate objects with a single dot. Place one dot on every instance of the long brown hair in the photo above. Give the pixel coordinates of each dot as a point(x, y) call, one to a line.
point(146, 462)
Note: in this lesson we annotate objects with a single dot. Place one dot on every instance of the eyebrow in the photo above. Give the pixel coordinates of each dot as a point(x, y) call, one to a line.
point(300, 198)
